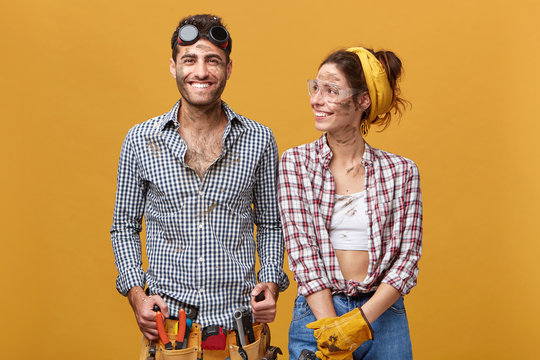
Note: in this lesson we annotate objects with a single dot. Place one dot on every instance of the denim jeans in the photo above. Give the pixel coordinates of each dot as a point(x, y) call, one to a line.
point(390, 331)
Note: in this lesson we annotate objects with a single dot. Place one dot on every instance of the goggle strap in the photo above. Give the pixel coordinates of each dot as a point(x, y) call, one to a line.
point(223, 46)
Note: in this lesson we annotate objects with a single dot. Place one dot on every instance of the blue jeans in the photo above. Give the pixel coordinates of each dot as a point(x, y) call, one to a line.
point(390, 331)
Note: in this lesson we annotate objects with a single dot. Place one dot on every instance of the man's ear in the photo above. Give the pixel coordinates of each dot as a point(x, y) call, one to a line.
point(229, 69)
point(172, 67)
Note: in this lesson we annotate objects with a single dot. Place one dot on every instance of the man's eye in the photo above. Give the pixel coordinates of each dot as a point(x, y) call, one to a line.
point(188, 61)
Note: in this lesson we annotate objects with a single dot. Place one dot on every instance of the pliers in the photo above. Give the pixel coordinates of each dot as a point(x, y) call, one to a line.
point(161, 329)
point(184, 327)
point(181, 329)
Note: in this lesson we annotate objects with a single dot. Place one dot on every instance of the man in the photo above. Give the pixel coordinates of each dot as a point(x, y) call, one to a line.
point(202, 175)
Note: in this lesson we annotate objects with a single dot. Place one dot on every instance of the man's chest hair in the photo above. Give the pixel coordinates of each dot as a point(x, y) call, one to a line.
point(202, 151)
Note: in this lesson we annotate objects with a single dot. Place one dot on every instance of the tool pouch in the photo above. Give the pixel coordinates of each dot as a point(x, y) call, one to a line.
point(255, 350)
point(193, 351)
point(155, 350)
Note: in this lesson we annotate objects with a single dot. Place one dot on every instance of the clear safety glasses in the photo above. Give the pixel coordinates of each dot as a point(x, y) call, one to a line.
point(330, 92)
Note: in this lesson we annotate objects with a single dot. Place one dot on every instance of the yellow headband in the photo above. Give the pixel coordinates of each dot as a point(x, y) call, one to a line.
point(379, 88)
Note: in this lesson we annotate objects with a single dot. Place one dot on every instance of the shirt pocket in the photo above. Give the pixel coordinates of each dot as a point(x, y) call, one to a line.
point(390, 220)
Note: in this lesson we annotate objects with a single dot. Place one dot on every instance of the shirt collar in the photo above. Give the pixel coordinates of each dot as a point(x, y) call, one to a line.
point(326, 152)
point(172, 115)
point(369, 154)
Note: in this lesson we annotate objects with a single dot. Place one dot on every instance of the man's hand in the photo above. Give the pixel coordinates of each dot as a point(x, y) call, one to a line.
point(143, 307)
point(265, 311)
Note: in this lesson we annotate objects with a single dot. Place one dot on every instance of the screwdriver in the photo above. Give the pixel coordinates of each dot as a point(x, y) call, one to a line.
point(188, 329)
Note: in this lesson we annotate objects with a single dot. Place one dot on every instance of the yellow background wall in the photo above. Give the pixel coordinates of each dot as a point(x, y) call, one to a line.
point(76, 75)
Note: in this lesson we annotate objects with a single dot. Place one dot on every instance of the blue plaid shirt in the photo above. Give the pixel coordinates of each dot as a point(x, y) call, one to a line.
point(199, 232)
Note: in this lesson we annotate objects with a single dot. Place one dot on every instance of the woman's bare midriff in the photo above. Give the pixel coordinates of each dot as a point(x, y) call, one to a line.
point(353, 264)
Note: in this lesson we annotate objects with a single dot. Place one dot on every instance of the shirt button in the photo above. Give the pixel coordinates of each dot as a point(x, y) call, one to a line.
point(201, 290)
point(201, 258)
point(200, 225)
point(201, 193)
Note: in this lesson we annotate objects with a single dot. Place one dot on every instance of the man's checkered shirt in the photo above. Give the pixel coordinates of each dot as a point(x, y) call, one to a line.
point(199, 232)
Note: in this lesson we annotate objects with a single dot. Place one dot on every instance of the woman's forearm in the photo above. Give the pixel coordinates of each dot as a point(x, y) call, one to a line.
point(384, 297)
point(321, 304)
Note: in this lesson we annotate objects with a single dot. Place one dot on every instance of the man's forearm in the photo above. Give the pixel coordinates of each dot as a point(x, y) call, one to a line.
point(134, 294)
point(271, 251)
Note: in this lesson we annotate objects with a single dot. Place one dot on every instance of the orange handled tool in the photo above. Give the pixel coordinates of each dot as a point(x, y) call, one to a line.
point(181, 329)
point(161, 329)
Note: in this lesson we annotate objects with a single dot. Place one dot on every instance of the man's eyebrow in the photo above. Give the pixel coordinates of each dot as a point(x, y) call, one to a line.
point(206, 57)
point(212, 56)
point(188, 55)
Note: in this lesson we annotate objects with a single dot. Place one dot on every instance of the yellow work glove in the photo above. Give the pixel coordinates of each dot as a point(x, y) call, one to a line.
point(338, 337)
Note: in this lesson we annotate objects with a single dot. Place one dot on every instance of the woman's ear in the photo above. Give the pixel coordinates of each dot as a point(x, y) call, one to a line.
point(364, 101)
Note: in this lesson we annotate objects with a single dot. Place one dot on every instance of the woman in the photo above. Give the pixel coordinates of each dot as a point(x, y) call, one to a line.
point(352, 216)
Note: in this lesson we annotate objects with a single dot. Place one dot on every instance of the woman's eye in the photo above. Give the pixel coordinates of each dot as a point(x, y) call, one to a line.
point(330, 91)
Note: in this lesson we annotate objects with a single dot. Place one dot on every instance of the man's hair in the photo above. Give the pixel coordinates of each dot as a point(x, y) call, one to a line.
point(203, 23)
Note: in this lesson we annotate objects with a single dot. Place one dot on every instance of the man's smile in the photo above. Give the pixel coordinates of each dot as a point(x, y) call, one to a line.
point(200, 85)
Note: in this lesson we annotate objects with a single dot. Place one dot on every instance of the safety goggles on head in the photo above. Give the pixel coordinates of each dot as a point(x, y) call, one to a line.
point(189, 34)
point(330, 92)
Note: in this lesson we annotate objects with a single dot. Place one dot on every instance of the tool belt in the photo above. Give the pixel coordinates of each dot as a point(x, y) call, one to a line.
point(155, 350)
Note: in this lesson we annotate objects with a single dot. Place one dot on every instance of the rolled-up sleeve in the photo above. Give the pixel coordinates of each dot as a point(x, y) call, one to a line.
point(298, 226)
point(270, 246)
point(402, 275)
point(127, 220)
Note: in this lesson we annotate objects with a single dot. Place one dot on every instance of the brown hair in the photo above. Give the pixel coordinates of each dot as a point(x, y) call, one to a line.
point(349, 63)
point(203, 23)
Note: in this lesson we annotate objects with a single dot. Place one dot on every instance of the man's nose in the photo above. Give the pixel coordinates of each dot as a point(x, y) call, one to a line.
point(201, 69)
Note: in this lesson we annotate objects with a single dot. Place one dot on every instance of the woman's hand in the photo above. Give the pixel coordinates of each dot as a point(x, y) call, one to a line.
point(339, 337)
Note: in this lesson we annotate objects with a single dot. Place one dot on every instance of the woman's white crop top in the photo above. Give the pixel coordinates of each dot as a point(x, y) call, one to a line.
point(348, 228)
